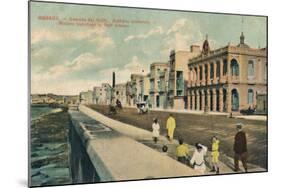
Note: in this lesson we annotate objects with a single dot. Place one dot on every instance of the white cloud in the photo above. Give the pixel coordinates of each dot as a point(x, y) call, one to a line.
point(153, 31)
point(83, 61)
point(176, 26)
point(96, 35)
point(180, 35)
point(135, 66)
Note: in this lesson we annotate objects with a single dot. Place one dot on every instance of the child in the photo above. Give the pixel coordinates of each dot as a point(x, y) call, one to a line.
point(197, 159)
point(215, 154)
point(155, 130)
point(182, 152)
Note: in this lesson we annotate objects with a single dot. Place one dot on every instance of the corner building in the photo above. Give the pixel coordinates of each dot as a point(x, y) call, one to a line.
point(228, 79)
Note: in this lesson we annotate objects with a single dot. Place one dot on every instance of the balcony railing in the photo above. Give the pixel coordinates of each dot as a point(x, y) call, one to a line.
point(235, 79)
point(251, 79)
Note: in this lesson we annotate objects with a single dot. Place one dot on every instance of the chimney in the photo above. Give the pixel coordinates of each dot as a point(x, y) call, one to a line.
point(194, 48)
point(113, 80)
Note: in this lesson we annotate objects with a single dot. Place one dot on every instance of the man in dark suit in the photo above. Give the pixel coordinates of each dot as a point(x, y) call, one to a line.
point(240, 148)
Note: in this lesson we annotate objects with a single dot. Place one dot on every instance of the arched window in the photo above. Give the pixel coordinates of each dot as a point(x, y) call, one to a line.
point(234, 68)
point(251, 68)
point(235, 100)
point(218, 71)
point(250, 96)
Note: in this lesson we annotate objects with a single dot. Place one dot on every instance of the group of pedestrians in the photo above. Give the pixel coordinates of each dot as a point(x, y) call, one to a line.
point(197, 160)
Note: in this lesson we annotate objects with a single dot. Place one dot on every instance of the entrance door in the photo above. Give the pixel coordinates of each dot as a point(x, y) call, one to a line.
point(235, 100)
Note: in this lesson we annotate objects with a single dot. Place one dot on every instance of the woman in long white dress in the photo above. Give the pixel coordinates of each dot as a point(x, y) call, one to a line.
point(155, 130)
point(198, 160)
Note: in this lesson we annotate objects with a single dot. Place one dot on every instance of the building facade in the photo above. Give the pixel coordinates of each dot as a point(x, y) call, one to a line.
point(227, 79)
point(135, 83)
point(178, 76)
point(158, 82)
point(102, 94)
point(97, 93)
point(145, 86)
point(120, 93)
point(86, 97)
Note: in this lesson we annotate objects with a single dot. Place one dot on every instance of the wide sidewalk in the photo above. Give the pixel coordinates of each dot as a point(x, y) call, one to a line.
point(200, 112)
point(145, 137)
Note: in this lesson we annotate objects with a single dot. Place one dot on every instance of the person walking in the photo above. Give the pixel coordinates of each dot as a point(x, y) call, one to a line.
point(182, 151)
point(155, 130)
point(198, 160)
point(170, 125)
point(240, 148)
point(215, 154)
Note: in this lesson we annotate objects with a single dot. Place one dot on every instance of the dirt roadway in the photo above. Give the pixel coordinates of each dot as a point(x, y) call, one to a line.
point(200, 128)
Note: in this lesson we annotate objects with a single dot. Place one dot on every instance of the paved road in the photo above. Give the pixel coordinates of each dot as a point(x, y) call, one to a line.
point(200, 128)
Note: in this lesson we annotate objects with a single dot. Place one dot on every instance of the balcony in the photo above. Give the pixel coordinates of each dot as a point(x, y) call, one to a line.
point(235, 79)
point(251, 79)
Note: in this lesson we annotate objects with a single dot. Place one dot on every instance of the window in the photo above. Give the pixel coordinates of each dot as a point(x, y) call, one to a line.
point(234, 68)
point(218, 69)
point(158, 85)
point(152, 85)
point(250, 96)
point(251, 69)
point(179, 83)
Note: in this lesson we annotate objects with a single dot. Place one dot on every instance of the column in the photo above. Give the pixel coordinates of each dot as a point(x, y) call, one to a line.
point(221, 68)
point(221, 99)
point(198, 75)
point(193, 100)
point(214, 99)
point(188, 100)
point(208, 100)
point(208, 74)
point(198, 100)
point(203, 99)
point(191, 77)
point(203, 75)
point(228, 69)
point(228, 100)
point(215, 72)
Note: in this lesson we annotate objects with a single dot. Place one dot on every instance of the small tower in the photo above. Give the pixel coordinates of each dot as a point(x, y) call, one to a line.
point(206, 46)
point(242, 38)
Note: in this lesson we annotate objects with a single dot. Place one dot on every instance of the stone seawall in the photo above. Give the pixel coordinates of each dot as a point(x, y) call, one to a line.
point(116, 156)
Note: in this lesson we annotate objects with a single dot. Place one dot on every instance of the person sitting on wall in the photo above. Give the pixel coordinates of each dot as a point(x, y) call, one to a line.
point(182, 151)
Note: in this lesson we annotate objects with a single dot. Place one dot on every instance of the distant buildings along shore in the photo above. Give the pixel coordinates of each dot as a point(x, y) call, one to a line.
point(226, 79)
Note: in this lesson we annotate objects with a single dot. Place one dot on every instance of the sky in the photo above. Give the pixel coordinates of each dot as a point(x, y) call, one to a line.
point(77, 47)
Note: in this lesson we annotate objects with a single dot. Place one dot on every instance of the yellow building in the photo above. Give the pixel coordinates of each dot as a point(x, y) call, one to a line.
point(227, 79)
